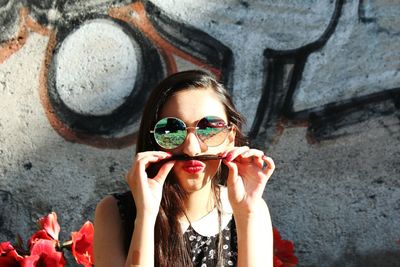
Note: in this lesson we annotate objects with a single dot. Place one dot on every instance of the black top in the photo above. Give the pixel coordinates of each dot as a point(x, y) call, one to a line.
point(203, 249)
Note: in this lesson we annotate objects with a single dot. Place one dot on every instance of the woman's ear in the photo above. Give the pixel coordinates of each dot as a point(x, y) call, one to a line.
point(231, 137)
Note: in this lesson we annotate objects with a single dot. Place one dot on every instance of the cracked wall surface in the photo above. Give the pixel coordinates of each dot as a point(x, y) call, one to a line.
point(318, 81)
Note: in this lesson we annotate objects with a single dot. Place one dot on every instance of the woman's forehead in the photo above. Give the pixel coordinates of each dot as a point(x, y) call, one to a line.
point(193, 104)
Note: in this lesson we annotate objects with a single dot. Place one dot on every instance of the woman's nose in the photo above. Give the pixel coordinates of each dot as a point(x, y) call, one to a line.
point(192, 145)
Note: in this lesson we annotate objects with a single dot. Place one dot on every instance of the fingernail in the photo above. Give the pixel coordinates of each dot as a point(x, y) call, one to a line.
point(229, 157)
point(223, 154)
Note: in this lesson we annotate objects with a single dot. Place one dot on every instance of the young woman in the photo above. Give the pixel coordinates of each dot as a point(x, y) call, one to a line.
point(196, 190)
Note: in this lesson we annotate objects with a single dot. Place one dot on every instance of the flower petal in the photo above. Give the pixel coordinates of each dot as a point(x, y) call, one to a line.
point(30, 261)
point(283, 251)
point(48, 256)
point(82, 245)
point(50, 224)
point(41, 234)
point(5, 247)
point(9, 256)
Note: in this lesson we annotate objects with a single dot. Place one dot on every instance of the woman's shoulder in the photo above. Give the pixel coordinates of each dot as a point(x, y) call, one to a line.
point(116, 212)
point(107, 210)
point(108, 237)
point(115, 204)
point(106, 217)
point(107, 204)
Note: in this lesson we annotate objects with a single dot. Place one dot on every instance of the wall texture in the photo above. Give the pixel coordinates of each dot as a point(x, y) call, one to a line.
point(319, 82)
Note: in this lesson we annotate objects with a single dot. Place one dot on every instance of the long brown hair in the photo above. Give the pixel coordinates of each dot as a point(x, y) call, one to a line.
point(169, 244)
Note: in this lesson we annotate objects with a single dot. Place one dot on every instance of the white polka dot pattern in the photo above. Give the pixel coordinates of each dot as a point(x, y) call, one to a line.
point(204, 249)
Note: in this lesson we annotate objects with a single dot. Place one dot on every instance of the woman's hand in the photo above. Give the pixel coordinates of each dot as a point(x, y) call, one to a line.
point(147, 191)
point(249, 171)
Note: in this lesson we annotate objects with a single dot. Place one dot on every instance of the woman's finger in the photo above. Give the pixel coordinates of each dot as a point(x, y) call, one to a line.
point(234, 183)
point(161, 154)
point(252, 156)
point(270, 167)
point(235, 152)
point(149, 158)
point(164, 171)
point(142, 155)
point(142, 163)
point(245, 156)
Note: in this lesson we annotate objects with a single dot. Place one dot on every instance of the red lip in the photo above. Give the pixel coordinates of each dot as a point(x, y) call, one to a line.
point(193, 166)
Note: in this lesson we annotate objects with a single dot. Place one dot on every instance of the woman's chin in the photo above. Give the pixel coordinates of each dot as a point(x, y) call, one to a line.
point(194, 183)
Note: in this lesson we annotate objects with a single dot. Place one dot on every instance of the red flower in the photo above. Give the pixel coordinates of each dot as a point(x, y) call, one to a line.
point(82, 245)
point(50, 224)
point(283, 252)
point(9, 256)
point(45, 249)
point(5, 247)
point(41, 234)
point(277, 262)
point(44, 254)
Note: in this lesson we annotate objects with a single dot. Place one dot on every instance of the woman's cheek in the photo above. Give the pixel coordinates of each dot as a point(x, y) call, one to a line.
point(212, 168)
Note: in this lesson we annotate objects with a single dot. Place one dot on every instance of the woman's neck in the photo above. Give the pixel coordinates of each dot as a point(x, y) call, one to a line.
point(199, 203)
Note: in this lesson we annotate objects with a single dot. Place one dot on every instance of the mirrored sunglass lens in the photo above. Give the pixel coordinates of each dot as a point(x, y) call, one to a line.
point(170, 133)
point(212, 130)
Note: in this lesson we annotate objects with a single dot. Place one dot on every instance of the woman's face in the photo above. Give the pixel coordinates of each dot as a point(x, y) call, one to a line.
point(191, 106)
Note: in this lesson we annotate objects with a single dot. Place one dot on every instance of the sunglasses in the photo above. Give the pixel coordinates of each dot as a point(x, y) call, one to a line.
point(171, 132)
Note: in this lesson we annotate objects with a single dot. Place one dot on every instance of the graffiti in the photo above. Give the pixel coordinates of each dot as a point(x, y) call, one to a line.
point(88, 127)
point(302, 72)
point(284, 71)
point(161, 49)
point(10, 45)
point(167, 46)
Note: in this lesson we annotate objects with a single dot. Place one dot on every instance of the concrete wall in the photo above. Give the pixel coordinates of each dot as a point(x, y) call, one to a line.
point(319, 82)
